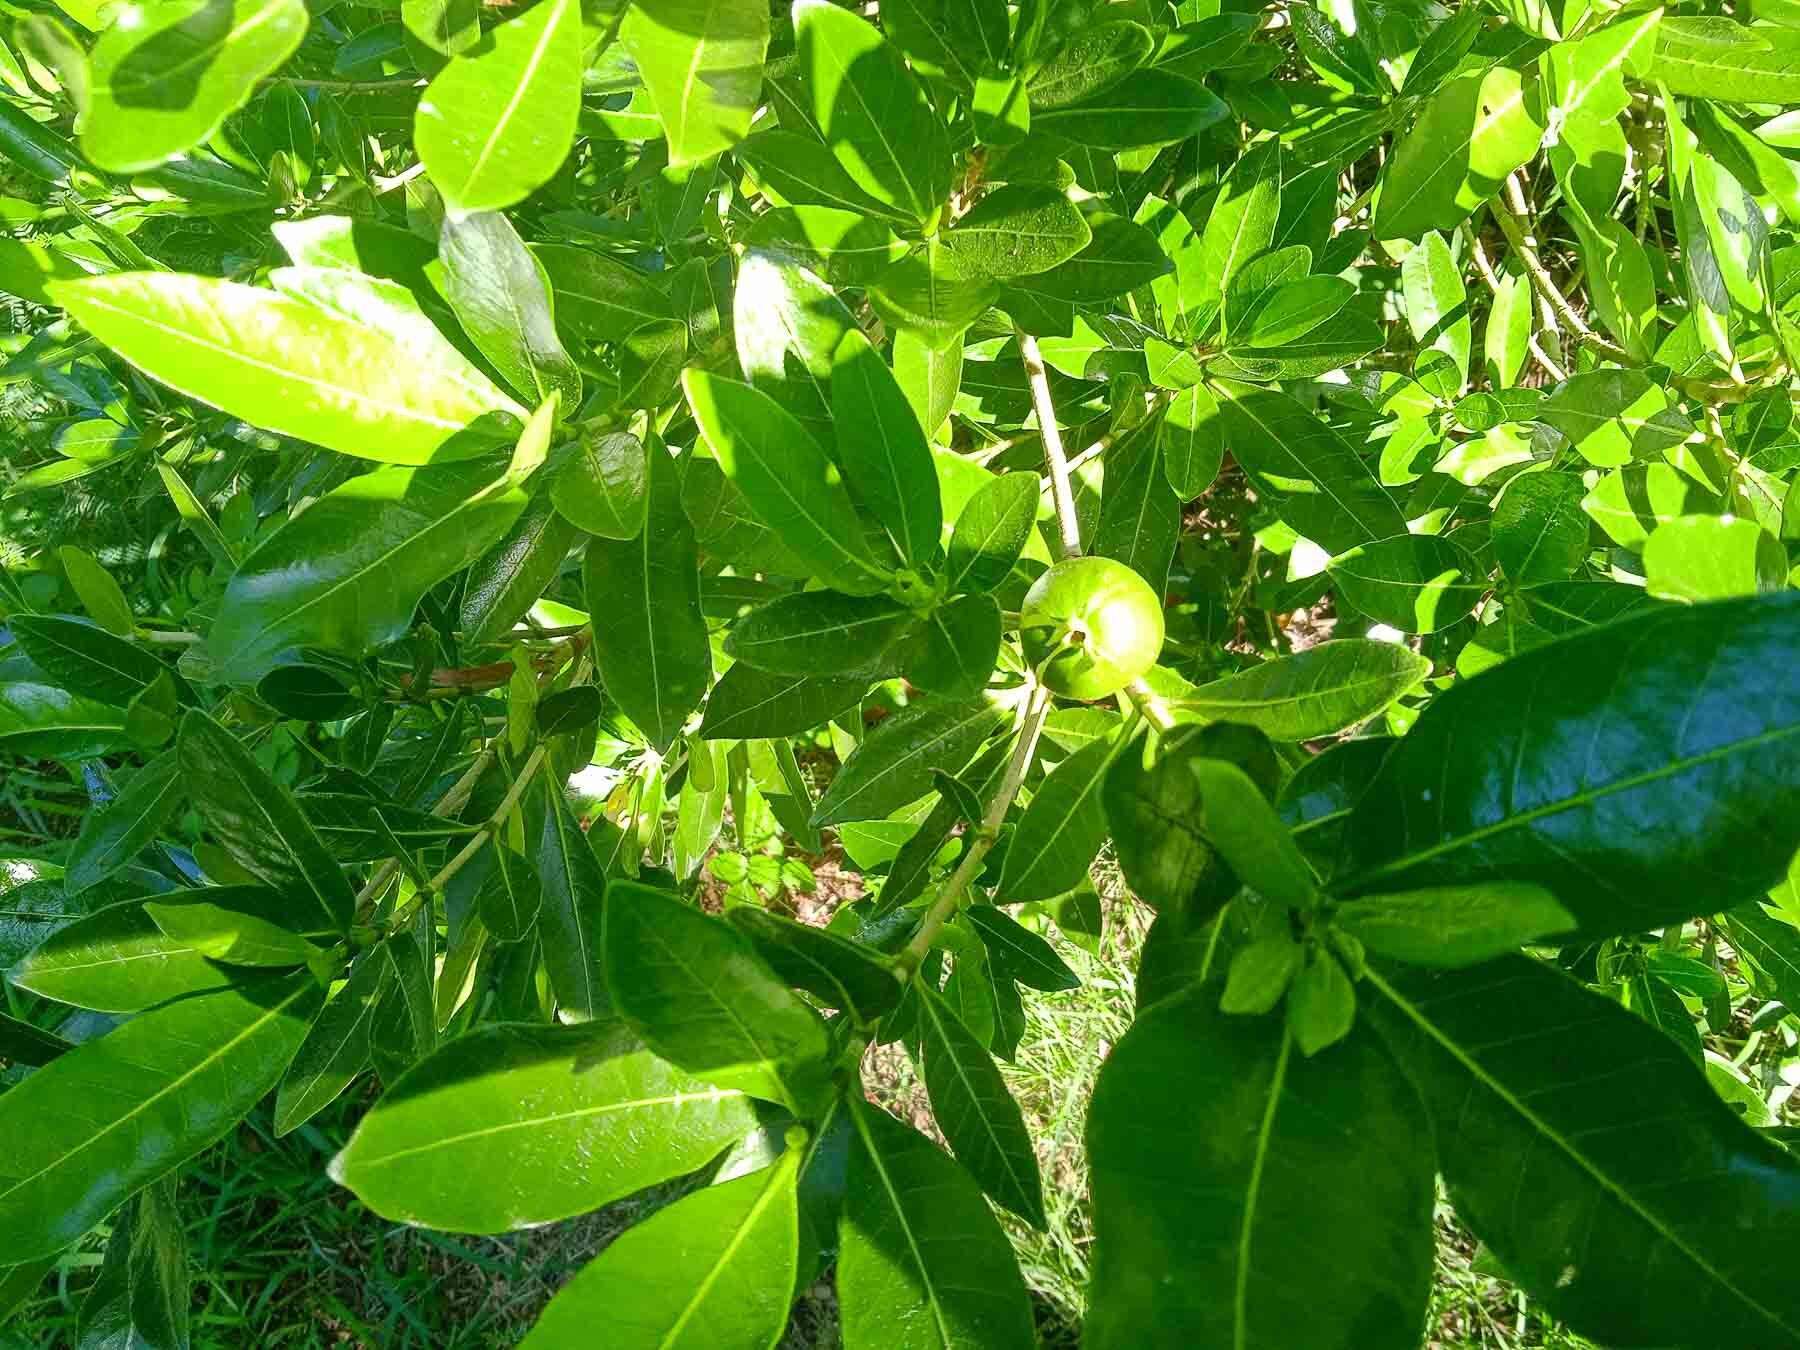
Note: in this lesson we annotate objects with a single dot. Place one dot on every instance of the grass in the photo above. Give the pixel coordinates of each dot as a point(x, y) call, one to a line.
point(286, 1260)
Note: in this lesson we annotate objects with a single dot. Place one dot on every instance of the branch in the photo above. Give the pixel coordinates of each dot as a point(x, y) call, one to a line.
point(1057, 461)
point(1036, 711)
point(1509, 217)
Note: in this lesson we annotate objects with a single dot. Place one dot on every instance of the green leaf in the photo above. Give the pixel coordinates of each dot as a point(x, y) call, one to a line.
point(1613, 416)
point(511, 1126)
point(1260, 974)
point(160, 83)
point(957, 647)
point(1320, 485)
point(787, 478)
point(840, 973)
point(1539, 531)
point(751, 704)
point(1242, 222)
point(1537, 770)
point(887, 461)
point(116, 960)
point(99, 594)
point(336, 1049)
point(870, 110)
point(1454, 925)
point(87, 660)
point(978, 1116)
point(1318, 692)
point(232, 926)
point(1140, 515)
point(893, 764)
point(991, 532)
point(141, 1295)
point(498, 121)
point(571, 912)
point(820, 633)
point(259, 825)
point(510, 898)
point(1417, 583)
point(922, 1262)
point(1244, 828)
point(960, 39)
point(1153, 107)
point(650, 640)
point(803, 171)
point(375, 386)
point(1707, 56)
point(1020, 954)
point(1470, 136)
point(1294, 1196)
point(1154, 815)
point(1437, 305)
point(697, 992)
point(603, 488)
point(125, 1109)
point(1581, 1180)
point(713, 1271)
point(1630, 503)
point(1062, 828)
point(492, 282)
point(930, 377)
point(1120, 257)
point(40, 721)
point(1193, 442)
point(927, 295)
point(506, 581)
point(1095, 59)
point(1017, 230)
point(702, 61)
point(597, 298)
point(113, 835)
point(1712, 558)
point(346, 574)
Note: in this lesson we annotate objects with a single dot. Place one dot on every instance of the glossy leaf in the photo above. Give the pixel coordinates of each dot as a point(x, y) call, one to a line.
point(977, 1114)
point(571, 912)
point(557, 1120)
point(787, 478)
point(378, 386)
point(922, 1262)
point(695, 989)
point(1219, 1152)
point(1327, 689)
point(893, 764)
point(713, 1270)
point(703, 66)
point(161, 85)
point(650, 642)
point(750, 704)
point(1062, 829)
point(1628, 1169)
point(1613, 735)
point(498, 121)
point(115, 1114)
point(257, 822)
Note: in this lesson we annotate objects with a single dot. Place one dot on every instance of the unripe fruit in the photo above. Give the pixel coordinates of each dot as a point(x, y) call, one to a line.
point(1090, 626)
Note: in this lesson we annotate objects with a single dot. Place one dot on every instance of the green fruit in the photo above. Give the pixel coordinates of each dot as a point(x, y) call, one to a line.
point(1090, 627)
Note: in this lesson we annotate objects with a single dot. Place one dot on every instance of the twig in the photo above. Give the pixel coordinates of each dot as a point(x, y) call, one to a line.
point(1150, 704)
point(1486, 268)
point(1060, 490)
point(1036, 711)
point(1509, 216)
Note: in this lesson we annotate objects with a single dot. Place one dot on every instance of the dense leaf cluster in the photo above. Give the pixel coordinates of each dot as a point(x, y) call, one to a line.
point(578, 463)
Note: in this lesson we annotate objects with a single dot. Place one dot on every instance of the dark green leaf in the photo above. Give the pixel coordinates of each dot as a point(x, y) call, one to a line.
point(119, 1112)
point(1294, 1195)
point(1576, 766)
